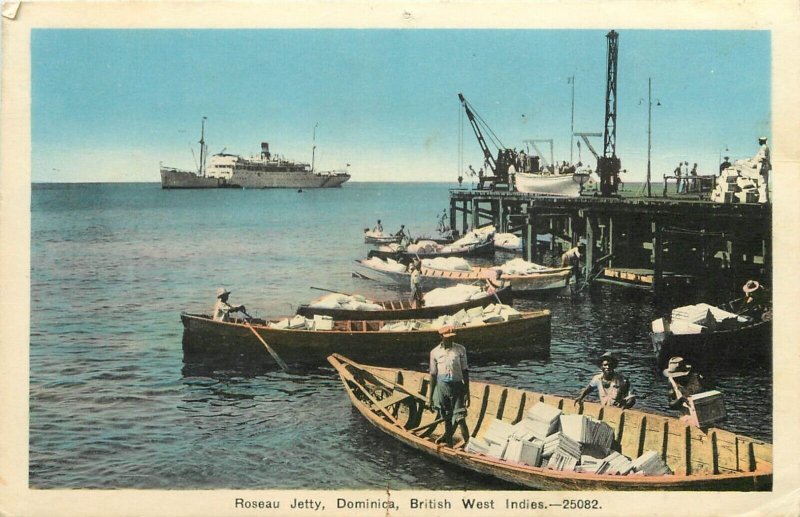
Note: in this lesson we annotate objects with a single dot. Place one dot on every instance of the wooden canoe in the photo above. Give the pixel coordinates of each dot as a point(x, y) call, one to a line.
point(402, 256)
point(401, 309)
point(734, 346)
point(528, 336)
point(545, 280)
point(393, 400)
point(369, 238)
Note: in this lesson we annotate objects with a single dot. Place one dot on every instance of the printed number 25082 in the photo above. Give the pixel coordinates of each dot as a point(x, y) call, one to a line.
point(581, 504)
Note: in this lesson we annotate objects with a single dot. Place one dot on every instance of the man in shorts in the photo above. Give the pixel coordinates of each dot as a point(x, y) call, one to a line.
point(449, 392)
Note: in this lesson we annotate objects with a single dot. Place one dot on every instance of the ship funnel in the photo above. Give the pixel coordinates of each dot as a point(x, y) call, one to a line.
point(265, 150)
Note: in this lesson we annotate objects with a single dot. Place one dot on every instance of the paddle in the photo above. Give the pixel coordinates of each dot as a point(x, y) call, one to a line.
point(269, 348)
point(329, 291)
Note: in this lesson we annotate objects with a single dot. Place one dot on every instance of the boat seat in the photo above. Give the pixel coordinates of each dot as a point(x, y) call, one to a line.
point(395, 398)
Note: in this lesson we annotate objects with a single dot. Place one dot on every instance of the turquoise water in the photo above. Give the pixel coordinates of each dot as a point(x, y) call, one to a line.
point(114, 405)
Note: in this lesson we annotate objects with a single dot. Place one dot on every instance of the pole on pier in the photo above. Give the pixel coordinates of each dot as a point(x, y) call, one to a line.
point(658, 256)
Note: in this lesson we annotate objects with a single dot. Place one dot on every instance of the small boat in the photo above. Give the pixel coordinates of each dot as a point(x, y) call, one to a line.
point(567, 184)
point(526, 336)
point(394, 401)
point(401, 309)
point(546, 279)
point(373, 237)
point(405, 256)
point(706, 335)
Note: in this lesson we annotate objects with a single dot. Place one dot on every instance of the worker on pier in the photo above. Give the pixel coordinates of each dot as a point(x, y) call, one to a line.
point(222, 309)
point(449, 390)
point(693, 174)
point(684, 383)
point(612, 388)
point(763, 163)
point(677, 174)
point(725, 164)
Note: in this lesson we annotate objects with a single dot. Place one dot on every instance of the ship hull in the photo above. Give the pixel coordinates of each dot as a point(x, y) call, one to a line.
point(177, 179)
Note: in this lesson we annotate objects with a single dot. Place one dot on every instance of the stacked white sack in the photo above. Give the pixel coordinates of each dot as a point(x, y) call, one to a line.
point(342, 301)
point(507, 241)
point(447, 264)
point(385, 265)
point(519, 266)
point(452, 295)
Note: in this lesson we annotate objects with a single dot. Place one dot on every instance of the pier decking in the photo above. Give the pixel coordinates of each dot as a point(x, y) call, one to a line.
point(649, 242)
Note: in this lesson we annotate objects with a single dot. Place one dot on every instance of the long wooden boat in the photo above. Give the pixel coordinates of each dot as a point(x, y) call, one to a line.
point(740, 345)
point(371, 238)
point(394, 401)
point(544, 280)
point(401, 309)
point(527, 336)
point(474, 250)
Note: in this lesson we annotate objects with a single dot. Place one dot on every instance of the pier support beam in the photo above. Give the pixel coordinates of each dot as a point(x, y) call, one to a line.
point(658, 256)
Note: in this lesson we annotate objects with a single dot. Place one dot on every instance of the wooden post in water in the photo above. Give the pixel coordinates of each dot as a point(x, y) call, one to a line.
point(587, 267)
point(464, 211)
point(610, 249)
point(452, 213)
point(475, 213)
point(658, 256)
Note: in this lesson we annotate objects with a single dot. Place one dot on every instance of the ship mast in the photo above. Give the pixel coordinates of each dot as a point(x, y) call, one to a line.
point(202, 170)
point(314, 146)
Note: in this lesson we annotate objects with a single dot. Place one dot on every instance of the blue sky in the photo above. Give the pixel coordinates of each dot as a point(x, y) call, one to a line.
point(109, 105)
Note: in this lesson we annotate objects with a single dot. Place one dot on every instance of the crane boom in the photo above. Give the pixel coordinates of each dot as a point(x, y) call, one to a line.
point(487, 154)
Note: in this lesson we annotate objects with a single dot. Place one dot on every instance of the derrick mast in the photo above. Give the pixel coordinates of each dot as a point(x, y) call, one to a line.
point(608, 165)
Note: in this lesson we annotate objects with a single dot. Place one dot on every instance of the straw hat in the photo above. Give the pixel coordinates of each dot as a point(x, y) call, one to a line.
point(222, 291)
point(750, 286)
point(611, 358)
point(447, 331)
point(762, 139)
point(677, 367)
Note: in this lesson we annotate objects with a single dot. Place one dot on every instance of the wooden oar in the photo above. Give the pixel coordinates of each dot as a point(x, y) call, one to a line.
point(269, 348)
point(329, 291)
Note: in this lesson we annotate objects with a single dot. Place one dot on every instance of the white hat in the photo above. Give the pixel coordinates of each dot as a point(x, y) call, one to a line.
point(222, 291)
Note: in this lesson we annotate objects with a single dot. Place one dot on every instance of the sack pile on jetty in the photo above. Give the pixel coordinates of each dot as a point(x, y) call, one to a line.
point(740, 183)
point(353, 302)
point(464, 318)
point(549, 439)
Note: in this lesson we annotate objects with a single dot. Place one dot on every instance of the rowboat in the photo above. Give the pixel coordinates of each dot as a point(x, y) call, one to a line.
point(394, 401)
point(404, 256)
point(527, 336)
point(372, 237)
point(568, 185)
point(401, 309)
point(738, 340)
point(542, 280)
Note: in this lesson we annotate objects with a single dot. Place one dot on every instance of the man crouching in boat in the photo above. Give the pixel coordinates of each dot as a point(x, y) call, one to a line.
point(222, 309)
point(449, 393)
point(612, 388)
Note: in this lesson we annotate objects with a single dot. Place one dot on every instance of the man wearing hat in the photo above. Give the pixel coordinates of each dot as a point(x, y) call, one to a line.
point(612, 388)
point(222, 308)
point(684, 382)
point(726, 162)
point(417, 300)
point(449, 391)
point(756, 301)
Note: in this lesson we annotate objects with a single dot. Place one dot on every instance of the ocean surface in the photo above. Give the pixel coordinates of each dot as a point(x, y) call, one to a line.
point(114, 405)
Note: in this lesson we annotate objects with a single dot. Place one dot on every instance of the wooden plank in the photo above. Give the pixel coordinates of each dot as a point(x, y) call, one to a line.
point(501, 404)
point(484, 402)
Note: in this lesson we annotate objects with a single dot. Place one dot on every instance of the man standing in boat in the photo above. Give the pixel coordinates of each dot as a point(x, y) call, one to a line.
point(378, 228)
point(222, 309)
point(572, 258)
point(417, 301)
point(401, 234)
point(612, 388)
point(449, 390)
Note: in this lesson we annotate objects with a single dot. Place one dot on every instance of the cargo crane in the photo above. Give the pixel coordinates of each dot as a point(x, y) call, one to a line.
point(608, 165)
point(505, 157)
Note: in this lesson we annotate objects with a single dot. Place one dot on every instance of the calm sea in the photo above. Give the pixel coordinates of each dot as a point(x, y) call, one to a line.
point(113, 405)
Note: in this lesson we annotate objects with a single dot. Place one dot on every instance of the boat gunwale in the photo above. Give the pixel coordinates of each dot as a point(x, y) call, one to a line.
point(497, 466)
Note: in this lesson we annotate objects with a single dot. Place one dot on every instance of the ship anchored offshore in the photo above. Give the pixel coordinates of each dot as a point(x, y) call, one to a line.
point(262, 171)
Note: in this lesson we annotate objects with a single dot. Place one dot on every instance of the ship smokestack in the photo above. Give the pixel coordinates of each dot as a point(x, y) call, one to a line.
point(265, 150)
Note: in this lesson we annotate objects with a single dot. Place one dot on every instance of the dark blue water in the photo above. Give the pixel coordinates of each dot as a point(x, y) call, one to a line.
point(112, 404)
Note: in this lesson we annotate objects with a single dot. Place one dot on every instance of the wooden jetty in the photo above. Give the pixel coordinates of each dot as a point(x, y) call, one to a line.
point(647, 242)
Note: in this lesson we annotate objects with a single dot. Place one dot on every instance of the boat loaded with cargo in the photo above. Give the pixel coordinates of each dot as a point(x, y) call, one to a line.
point(266, 170)
point(548, 443)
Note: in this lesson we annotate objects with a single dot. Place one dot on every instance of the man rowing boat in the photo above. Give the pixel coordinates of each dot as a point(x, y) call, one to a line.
point(222, 309)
